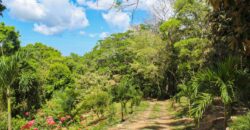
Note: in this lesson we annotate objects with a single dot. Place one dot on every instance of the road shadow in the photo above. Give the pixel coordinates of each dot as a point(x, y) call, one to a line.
point(179, 124)
point(152, 127)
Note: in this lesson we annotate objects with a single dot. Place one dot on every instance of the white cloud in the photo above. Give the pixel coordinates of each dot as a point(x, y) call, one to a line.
point(157, 8)
point(97, 5)
point(103, 35)
point(81, 2)
point(160, 9)
point(128, 5)
point(44, 29)
point(113, 17)
point(32, 9)
point(117, 19)
point(49, 16)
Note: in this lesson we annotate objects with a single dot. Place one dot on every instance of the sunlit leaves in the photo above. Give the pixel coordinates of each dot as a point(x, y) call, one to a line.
point(9, 39)
point(202, 101)
point(241, 123)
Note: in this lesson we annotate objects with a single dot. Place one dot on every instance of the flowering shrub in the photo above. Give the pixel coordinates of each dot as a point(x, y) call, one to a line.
point(50, 121)
point(39, 121)
point(63, 119)
point(42, 121)
point(28, 125)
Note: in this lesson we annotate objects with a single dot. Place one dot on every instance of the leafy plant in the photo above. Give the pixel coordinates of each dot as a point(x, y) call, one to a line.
point(126, 91)
point(97, 101)
point(241, 123)
point(9, 71)
point(211, 83)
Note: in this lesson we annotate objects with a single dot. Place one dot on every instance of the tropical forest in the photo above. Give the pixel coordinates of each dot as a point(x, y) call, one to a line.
point(186, 69)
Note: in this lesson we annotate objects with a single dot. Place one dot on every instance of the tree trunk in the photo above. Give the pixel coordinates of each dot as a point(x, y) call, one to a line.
point(125, 108)
point(122, 112)
point(189, 107)
point(9, 108)
point(225, 116)
point(131, 108)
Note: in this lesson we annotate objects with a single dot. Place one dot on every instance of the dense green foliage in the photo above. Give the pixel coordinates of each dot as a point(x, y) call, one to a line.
point(9, 71)
point(241, 123)
point(230, 26)
point(227, 77)
point(9, 39)
point(188, 55)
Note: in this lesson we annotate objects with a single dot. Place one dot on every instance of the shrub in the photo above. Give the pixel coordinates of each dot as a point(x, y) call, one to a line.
point(241, 123)
point(97, 101)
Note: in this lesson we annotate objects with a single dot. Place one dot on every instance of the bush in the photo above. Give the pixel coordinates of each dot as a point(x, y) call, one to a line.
point(241, 123)
point(97, 101)
point(59, 78)
point(3, 122)
point(17, 122)
point(61, 103)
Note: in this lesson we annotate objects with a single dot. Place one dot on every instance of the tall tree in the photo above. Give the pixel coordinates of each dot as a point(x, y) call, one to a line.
point(185, 35)
point(149, 64)
point(8, 74)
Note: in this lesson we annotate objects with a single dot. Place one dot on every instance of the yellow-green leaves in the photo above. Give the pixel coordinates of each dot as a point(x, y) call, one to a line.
point(171, 24)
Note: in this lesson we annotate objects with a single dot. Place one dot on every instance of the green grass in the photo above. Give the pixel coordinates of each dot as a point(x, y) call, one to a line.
point(142, 107)
point(179, 109)
point(156, 111)
point(179, 112)
point(105, 124)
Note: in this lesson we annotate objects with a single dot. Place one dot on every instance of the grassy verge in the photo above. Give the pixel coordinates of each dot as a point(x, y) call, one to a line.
point(110, 121)
point(156, 111)
point(178, 111)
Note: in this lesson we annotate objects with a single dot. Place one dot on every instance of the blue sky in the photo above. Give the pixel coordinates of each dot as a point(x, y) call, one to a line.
point(70, 26)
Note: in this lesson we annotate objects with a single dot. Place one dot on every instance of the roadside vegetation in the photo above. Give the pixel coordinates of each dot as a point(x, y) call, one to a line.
point(199, 59)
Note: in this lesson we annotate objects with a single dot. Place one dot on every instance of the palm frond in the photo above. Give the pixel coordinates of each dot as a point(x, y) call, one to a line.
point(203, 100)
point(9, 67)
point(202, 81)
point(226, 90)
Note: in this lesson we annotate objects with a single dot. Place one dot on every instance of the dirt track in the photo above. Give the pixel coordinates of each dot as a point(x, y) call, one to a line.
point(156, 117)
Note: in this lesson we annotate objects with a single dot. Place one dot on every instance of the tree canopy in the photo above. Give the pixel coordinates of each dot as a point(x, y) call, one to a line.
point(201, 53)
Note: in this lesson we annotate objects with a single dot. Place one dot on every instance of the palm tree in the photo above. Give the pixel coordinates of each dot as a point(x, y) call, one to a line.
point(9, 71)
point(210, 84)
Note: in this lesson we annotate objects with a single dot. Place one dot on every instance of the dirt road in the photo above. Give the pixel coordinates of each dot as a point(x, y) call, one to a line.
point(156, 117)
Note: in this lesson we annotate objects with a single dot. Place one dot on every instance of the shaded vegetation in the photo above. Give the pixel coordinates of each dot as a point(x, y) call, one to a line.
point(201, 53)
